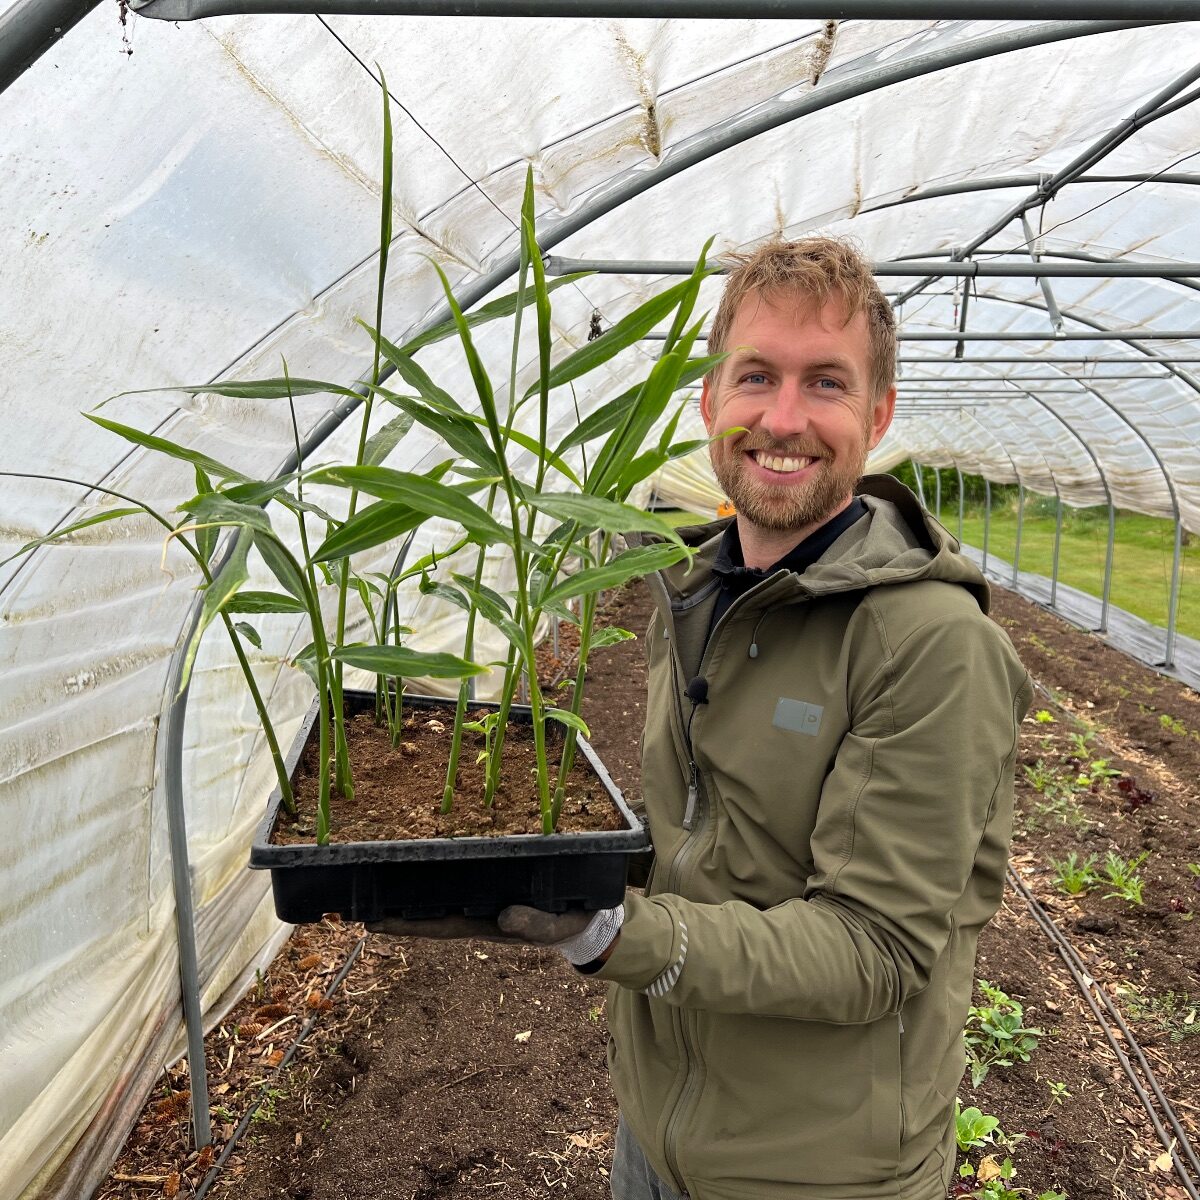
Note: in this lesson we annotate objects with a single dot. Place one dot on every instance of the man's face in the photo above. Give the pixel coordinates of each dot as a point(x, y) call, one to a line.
point(798, 380)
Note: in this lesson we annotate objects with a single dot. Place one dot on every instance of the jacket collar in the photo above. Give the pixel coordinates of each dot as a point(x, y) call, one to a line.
point(898, 543)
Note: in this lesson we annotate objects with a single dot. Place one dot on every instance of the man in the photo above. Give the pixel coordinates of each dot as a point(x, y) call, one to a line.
point(827, 771)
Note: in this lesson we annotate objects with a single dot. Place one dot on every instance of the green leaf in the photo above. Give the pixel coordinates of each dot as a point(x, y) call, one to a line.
point(443, 591)
point(495, 609)
point(206, 539)
point(624, 443)
point(306, 660)
point(610, 637)
point(566, 717)
point(265, 602)
point(381, 443)
point(216, 508)
point(539, 451)
point(404, 662)
point(372, 526)
point(688, 302)
point(630, 564)
point(505, 306)
point(256, 491)
point(282, 565)
point(111, 514)
point(642, 466)
point(489, 594)
point(455, 428)
point(251, 389)
point(630, 329)
point(594, 512)
point(249, 633)
point(421, 493)
point(209, 465)
point(216, 596)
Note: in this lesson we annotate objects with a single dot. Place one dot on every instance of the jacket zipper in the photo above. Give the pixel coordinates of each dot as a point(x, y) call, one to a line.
point(695, 816)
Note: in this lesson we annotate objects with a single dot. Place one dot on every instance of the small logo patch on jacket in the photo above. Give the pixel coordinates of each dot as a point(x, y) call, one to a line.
point(798, 715)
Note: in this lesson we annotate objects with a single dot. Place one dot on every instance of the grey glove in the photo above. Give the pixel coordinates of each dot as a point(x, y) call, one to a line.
point(579, 936)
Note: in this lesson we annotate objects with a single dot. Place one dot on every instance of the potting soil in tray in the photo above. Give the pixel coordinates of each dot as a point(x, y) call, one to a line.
point(398, 791)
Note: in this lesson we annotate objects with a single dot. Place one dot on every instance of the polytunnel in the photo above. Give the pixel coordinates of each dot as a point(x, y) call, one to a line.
point(191, 196)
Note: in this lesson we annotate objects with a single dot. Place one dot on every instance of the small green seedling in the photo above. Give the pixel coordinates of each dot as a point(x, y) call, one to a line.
point(1073, 877)
point(1122, 875)
point(1041, 778)
point(1043, 717)
point(1058, 1091)
point(973, 1129)
point(1172, 724)
point(995, 1033)
point(1081, 744)
point(1097, 772)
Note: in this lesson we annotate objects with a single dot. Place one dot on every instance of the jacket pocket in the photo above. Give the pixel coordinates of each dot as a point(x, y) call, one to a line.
point(792, 1103)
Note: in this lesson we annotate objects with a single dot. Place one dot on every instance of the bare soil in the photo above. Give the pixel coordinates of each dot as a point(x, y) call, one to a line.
point(398, 789)
point(463, 1069)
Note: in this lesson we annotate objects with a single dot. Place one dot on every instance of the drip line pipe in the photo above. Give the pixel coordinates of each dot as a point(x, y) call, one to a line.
point(1176, 1142)
point(284, 1062)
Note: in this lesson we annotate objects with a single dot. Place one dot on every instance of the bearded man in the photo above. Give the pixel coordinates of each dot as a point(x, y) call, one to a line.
point(828, 778)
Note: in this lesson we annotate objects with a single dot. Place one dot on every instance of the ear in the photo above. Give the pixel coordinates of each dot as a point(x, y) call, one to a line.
point(881, 417)
point(708, 404)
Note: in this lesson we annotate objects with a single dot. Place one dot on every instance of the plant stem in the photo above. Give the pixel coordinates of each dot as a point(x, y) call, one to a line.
point(287, 799)
point(587, 618)
point(495, 749)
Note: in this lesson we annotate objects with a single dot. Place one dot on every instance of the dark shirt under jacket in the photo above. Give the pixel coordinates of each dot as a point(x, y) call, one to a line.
point(737, 578)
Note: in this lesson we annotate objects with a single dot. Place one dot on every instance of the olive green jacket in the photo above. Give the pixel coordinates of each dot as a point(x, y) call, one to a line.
point(831, 830)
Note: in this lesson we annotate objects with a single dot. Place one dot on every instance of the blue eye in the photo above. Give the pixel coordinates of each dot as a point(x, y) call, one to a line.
point(754, 377)
point(831, 382)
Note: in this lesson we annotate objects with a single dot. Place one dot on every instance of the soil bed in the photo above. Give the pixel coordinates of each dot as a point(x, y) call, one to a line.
point(470, 1069)
point(398, 790)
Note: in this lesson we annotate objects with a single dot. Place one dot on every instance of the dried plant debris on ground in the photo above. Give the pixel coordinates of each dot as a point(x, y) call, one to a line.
point(468, 1069)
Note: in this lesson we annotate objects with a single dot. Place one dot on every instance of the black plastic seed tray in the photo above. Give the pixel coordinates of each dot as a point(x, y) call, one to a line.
point(435, 877)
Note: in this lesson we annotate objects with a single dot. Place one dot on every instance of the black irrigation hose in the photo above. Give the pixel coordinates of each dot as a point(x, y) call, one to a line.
point(1178, 1147)
point(244, 1124)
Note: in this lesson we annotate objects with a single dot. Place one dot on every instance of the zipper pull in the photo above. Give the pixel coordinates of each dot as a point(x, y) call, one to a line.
point(693, 799)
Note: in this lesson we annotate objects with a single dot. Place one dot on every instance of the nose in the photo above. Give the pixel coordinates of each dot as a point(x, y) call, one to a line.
point(788, 414)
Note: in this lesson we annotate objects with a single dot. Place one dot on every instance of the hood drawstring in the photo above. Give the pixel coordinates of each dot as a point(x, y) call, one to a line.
point(754, 635)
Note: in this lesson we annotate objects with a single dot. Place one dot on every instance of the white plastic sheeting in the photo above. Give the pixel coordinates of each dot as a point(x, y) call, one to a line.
point(208, 206)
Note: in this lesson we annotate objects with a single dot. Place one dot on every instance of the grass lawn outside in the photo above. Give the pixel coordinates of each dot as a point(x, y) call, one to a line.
point(1141, 578)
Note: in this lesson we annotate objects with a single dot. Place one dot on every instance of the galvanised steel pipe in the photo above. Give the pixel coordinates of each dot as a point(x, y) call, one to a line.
point(988, 335)
point(1058, 528)
point(958, 471)
point(987, 518)
point(967, 10)
point(1173, 599)
point(1156, 106)
point(916, 466)
point(998, 182)
point(1044, 361)
point(29, 28)
point(1108, 565)
point(1016, 566)
point(971, 268)
point(1107, 584)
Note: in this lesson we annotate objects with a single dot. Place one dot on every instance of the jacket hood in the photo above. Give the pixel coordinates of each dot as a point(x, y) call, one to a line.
point(898, 542)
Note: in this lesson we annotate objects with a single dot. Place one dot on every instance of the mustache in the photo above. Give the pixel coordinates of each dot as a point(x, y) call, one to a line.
point(789, 448)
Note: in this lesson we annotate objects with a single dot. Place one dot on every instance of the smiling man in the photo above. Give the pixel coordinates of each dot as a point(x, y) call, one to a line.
point(828, 773)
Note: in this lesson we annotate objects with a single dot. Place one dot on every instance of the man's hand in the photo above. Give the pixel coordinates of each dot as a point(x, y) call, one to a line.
point(579, 936)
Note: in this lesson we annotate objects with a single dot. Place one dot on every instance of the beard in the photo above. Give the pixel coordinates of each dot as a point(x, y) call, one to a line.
point(786, 506)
